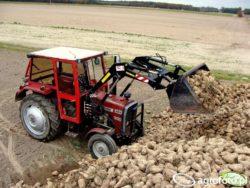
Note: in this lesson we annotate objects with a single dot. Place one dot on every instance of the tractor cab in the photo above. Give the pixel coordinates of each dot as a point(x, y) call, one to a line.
point(67, 73)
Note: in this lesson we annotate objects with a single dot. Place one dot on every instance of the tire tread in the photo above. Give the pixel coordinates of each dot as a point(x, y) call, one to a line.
point(50, 110)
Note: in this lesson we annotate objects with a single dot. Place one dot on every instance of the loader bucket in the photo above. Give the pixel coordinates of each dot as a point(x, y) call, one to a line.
point(181, 95)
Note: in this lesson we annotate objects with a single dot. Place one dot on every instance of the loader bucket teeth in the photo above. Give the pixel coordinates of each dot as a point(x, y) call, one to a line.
point(181, 95)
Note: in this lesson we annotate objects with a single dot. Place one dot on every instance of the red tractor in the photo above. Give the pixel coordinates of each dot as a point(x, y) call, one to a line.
point(72, 89)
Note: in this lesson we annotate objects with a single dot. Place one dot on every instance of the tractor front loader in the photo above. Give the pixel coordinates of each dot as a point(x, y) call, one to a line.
point(153, 71)
point(70, 89)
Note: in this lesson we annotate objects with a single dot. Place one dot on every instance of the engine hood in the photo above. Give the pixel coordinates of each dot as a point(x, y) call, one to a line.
point(112, 100)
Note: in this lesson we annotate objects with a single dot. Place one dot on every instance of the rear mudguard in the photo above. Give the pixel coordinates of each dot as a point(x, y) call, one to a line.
point(20, 94)
point(33, 88)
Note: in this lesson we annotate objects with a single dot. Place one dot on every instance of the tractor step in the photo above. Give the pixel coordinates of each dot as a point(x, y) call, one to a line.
point(71, 134)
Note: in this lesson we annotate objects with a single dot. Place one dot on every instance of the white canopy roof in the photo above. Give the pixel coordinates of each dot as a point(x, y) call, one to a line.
point(67, 53)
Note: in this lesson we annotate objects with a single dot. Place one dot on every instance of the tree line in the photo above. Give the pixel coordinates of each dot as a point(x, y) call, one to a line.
point(172, 6)
point(149, 4)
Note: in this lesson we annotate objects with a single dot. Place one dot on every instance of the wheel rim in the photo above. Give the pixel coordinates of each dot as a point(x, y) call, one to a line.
point(34, 119)
point(100, 149)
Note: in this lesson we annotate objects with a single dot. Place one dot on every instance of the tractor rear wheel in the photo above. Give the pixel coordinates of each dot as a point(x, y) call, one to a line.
point(40, 117)
point(101, 145)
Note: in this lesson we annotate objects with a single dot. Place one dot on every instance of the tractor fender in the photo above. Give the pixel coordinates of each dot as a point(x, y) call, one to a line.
point(98, 131)
point(34, 88)
point(20, 94)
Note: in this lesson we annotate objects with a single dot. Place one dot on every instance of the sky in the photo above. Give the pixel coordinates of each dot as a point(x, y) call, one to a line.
point(211, 3)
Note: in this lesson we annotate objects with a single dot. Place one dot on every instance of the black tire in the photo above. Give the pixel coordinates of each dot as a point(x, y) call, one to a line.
point(51, 126)
point(104, 139)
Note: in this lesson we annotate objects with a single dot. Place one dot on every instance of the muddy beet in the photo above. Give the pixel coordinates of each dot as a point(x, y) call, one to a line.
point(209, 91)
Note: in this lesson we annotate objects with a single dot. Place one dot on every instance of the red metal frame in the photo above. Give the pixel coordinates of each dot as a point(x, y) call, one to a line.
point(61, 95)
point(27, 73)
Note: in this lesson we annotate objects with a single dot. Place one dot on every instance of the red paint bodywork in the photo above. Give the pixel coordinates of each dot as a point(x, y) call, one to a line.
point(114, 105)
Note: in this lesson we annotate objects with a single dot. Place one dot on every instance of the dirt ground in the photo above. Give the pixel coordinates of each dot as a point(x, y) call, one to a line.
point(176, 25)
point(231, 59)
point(22, 156)
point(184, 38)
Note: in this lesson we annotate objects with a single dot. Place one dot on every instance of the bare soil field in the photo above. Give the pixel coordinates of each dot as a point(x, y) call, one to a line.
point(185, 38)
point(24, 157)
point(231, 59)
point(154, 22)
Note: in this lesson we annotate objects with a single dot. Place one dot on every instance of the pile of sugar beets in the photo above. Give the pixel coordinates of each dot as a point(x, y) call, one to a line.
point(201, 146)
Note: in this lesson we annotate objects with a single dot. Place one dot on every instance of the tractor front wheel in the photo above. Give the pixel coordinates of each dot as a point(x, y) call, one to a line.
point(101, 145)
point(40, 117)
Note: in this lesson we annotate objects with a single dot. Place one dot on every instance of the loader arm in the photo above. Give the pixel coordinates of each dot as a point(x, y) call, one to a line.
point(120, 70)
point(153, 67)
point(180, 94)
point(116, 72)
